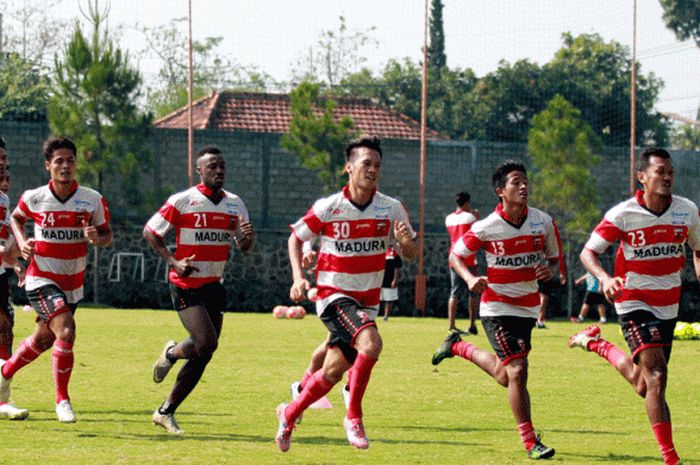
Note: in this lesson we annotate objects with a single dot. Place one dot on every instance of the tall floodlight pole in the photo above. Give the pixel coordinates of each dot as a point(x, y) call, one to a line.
point(633, 99)
point(420, 278)
point(190, 133)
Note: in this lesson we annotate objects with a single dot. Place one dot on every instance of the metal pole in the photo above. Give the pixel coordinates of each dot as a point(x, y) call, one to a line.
point(0, 32)
point(190, 132)
point(633, 99)
point(420, 278)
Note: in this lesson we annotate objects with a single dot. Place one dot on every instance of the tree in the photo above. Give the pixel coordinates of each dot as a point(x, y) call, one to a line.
point(210, 72)
point(564, 148)
point(24, 92)
point(315, 136)
point(95, 105)
point(683, 18)
point(687, 136)
point(337, 54)
point(437, 59)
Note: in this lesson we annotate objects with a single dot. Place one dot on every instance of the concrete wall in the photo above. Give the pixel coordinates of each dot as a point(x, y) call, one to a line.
point(277, 190)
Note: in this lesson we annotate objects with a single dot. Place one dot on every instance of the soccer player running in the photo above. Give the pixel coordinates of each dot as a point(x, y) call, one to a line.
point(207, 220)
point(652, 228)
point(7, 317)
point(66, 218)
point(516, 240)
point(354, 228)
point(457, 224)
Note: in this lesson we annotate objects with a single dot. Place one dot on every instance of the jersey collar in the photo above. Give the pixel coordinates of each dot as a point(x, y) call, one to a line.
point(639, 197)
point(346, 194)
point(209, 193)
point(507, 219)
point(73, 188)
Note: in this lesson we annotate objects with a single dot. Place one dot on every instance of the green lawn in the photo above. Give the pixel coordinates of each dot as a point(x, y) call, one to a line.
point(415, 414)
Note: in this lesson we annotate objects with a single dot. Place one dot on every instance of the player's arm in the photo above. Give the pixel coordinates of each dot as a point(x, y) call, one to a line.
point(26, 246)
point(299, 285)
point(98, 236)
point(580, 279)
point(182, 267)
point(404, 238)
point(474, 282)
point(696, 263)
point(612, 286)
point(247, 238)
point(397, 275)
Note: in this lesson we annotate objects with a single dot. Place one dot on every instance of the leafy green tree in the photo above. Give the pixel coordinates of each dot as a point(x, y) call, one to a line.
point(24, 92)
point(683, 18)
point(687, 136)
point(437, 59)
point(95, 105)
point(315, 136)
point(168, 44)
point(336, 55)
point(564, 148)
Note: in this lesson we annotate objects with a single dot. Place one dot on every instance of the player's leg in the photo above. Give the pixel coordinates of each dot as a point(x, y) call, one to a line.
point(62, 326)
point(602, 313)
point(583, 313)
point(388, 305)
point(6, 319)
point(457, 288)
point(473, 311)
point(542, 314)
point(315, 364)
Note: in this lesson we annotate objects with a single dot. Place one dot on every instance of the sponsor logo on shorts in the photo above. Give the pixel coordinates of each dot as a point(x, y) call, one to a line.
point(58, 302)
point(655, 333)
point(521, 344)
point(364, 317)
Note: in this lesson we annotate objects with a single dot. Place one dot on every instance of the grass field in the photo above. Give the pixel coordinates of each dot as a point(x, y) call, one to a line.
point(414, 414)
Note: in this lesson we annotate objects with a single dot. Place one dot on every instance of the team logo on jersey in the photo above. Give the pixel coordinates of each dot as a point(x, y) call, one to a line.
point(537, 243)
point(679, 233)
point(364, 316)
point(80, 217)
point(382, 228)
point(233, 222)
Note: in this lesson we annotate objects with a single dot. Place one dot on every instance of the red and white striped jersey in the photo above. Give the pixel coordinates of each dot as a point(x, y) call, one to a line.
point(512, 253)
point(352, 245)
point(4, 224)
point(204, 227)
point(457, 224)
point(61, 246)
point(651, 255)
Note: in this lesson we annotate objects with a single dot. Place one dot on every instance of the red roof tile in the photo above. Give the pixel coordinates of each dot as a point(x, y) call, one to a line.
point(257, 112)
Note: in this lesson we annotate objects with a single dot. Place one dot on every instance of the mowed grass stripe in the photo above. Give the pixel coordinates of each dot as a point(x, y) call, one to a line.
point(414, 413)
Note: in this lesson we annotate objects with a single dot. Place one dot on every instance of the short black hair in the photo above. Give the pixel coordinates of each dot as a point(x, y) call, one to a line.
point(213, 149)
point(462, 197)
point(54, 143)
point(372, 143)
point(649, 152)
point(501, 174)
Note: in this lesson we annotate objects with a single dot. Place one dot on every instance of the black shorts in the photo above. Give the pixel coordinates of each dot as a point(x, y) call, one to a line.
point(5, 307)
point(345, 318)
point(211, 296)
point(458, 286)
point(594, 298)
point(643, 330)
point(546, 287)
point(49, 301)
point(509, 336)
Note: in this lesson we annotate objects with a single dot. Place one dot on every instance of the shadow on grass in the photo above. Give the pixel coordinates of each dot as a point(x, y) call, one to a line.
point(610, 458)
point(467, 429)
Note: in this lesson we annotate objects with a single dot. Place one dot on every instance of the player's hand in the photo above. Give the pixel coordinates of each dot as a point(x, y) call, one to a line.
point(543, 272)
point(478, 284)
point(21, 273)
point(184, 267)
point(402, 233)
point(562, 278)
point(90, 232)
point(308, 259)
point(27, 249)
point(248, 233)
point(298, 291)
point(612, 287)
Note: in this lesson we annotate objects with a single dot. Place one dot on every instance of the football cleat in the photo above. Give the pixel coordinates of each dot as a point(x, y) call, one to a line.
point(163, 365)
point(445, 349)
point(4, 385)
point(283, 439)
point(582, 338)
point(473, 330)
point(295, 390)
point(346, 396)
point(64, 412)
point(167, 421)
point(12, 412)
point(540, 452)
point(355, 432)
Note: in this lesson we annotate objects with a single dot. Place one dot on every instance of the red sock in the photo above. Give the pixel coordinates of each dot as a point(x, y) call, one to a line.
point(527, 434)
point(26, 352)
point(664, 437)
point(613, 354)
point(305, 379)
point(362, 369)
point(316, 387)
point(62, 364)
point(5, 351)
point(463, 349)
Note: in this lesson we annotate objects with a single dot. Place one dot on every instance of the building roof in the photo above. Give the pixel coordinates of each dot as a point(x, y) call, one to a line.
point(261, 112)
